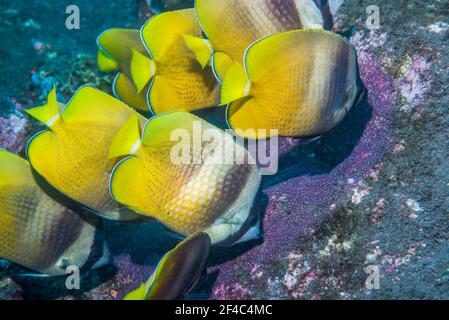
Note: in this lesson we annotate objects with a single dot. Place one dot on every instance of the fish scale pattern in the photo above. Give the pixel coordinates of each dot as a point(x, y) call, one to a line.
point(315, 75)
point(73, 157)
point(35, 230)
point(180, 83)
point(82, 164)
point(188, 193)
point(188, 197)
point(243, 22)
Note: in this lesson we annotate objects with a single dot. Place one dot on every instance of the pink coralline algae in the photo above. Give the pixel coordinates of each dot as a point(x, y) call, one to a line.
point(378, 211)
point(299, 276)
point(391, 263)
point(411, 81)
point(237, 291)
point(306, 195)
point(12, 132)
point(412, 86)
point(129, 273)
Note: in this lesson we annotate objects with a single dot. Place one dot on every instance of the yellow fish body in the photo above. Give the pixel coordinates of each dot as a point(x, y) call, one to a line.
point(178, 272)
point(233, 25)
point(38, 233)
point(301, 83)
point(72, 157)
point(160, 68)
point(189, 189)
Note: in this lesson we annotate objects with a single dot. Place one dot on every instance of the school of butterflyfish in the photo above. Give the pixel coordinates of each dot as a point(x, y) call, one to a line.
point(272, 66)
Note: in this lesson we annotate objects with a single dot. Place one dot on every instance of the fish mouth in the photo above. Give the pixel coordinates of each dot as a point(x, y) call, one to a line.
point(105, 259)
point(100, 254)
point(251, 229)
point(361, 94)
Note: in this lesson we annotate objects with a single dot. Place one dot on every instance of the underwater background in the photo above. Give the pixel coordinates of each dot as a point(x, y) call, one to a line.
point(373, 192)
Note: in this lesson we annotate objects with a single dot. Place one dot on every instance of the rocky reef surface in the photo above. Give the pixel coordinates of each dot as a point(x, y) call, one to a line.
point(373, 193)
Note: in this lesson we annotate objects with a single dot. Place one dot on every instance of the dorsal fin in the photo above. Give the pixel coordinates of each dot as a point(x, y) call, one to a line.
point(163, 31)
point(160, 128)
point(114, 46)
point(14, 170)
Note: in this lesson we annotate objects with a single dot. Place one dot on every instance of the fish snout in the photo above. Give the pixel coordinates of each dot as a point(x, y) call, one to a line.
point(105, 259)
point(349, 98)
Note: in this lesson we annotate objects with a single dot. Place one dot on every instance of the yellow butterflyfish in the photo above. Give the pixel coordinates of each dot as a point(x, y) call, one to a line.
point(178, 272)
point(37, 232)
point(72, 156)
point(116, 48)
point(233, 25)
point(189, 175)
point(160, 68)
point(301, 83)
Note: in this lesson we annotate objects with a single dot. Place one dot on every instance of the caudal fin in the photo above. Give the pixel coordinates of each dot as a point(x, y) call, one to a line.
point(105, 63)
point(201, 48)
point(236, 84)
point(142, 69)
point(127, 140)
point(221, 62)
point(48, 113)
